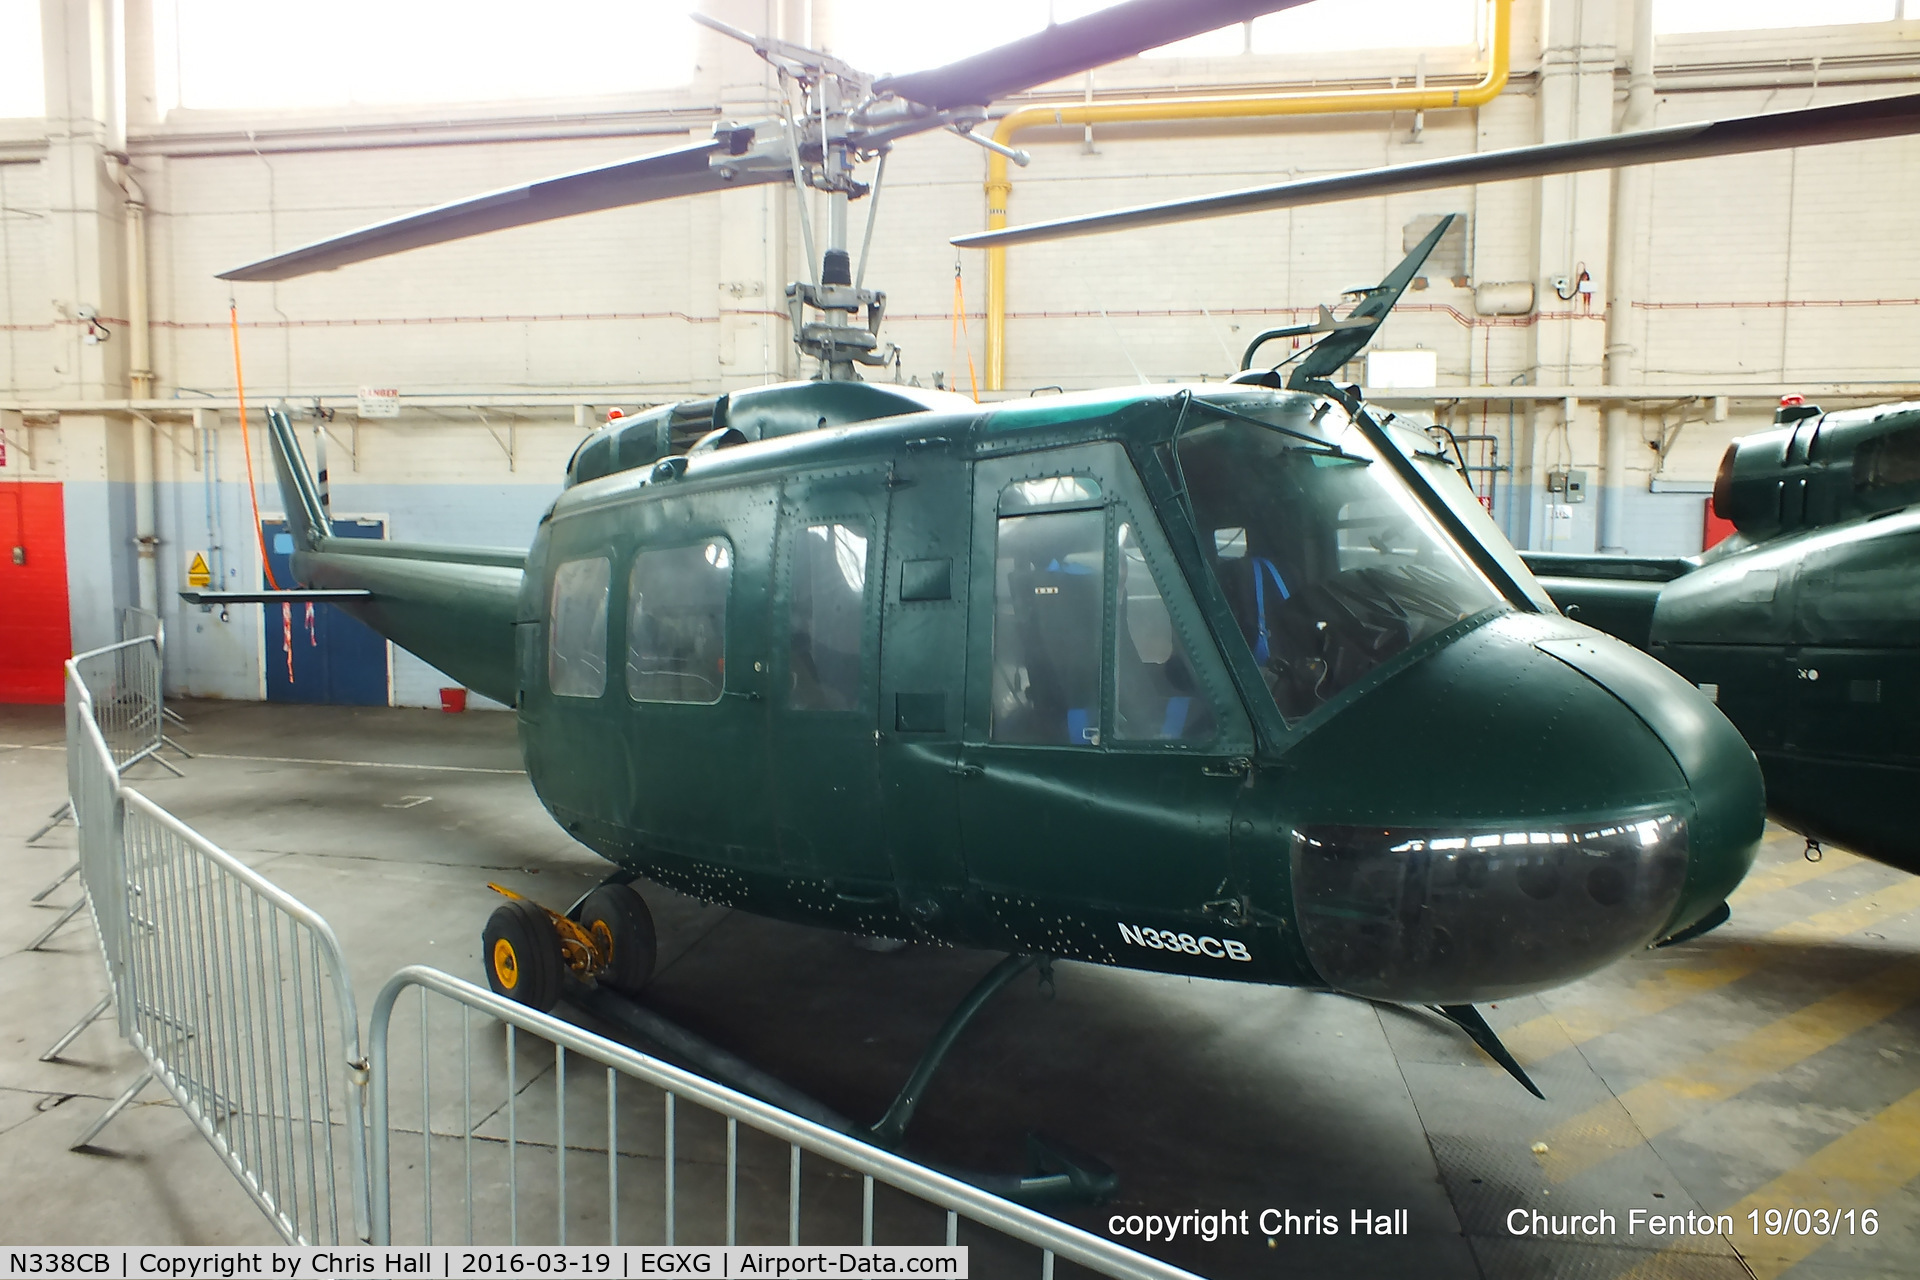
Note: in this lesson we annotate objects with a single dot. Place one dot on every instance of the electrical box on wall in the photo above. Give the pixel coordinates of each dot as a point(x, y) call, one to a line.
point(1570, 486)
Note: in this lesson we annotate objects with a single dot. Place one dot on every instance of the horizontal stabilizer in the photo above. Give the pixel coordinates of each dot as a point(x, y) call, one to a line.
point(312, 596)
point(1562, 564)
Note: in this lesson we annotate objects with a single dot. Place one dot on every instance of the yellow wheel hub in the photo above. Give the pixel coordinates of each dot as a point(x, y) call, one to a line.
point(506, 965)
point(602, 938)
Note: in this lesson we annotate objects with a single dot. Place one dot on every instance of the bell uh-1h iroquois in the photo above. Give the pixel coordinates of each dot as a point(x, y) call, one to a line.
point(1234, 681)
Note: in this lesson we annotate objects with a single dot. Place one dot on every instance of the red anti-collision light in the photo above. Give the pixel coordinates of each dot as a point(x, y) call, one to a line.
point(1792, 402)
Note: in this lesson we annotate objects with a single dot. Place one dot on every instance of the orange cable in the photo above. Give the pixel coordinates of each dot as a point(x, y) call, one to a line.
point(246, 441)
point(960, 330)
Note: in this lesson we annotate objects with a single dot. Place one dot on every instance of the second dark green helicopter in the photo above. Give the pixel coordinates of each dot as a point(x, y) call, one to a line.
point(1804, 625)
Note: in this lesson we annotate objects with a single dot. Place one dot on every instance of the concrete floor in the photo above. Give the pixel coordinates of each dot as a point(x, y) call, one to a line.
point(1774, 1063)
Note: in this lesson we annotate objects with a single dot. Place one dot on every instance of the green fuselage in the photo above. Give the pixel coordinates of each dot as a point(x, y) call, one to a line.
point(1805, 626)
point(1217, 681)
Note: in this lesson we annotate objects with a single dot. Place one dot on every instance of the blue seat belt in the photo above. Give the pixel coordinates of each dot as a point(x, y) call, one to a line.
point(1260, 647)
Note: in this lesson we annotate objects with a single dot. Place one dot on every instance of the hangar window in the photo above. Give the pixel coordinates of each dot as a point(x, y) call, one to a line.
point(577, 638)
point(1049, 583)
point(1155, 695)
point(368, 51)
point(22, 88)
point(827, 617)
point(677, 622)
point(1681, 17)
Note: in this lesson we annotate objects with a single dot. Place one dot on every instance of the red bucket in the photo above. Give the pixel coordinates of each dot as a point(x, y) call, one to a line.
point(453, 699)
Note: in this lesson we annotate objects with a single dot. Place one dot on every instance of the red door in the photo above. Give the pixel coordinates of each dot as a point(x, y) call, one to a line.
point(34, 635)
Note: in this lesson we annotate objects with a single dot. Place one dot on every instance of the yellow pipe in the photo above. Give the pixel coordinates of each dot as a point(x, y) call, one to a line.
point(1000, 184)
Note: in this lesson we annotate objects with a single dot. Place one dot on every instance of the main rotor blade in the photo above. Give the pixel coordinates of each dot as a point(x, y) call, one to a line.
point(1068, 48)
point(1806, 127)
point(680, 172)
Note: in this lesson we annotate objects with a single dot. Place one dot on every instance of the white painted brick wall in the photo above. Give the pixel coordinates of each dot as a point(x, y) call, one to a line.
point(626, 305)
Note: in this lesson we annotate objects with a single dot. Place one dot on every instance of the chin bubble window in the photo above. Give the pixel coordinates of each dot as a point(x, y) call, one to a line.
point(577, 636)
point(677, 623)
point(829, 588)
point(1155, 695)
point(1433, 916)
point(1049, 584)
point(1329, 562)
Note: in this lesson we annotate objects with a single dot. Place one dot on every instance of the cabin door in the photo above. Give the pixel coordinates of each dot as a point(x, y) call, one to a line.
point(1103, 749)
point(825, 659)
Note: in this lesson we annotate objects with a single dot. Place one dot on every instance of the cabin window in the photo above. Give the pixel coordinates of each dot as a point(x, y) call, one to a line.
point(577, 638)
point(677, 622)
point(827, 616)
point(1049, 577)
point(1156, 697)
point(1049, 492)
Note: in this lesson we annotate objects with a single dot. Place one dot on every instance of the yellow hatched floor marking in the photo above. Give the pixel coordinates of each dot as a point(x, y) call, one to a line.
point(1794, 871)
point(1646, 1110)
point(1854, 1171)
point(1542, 1037)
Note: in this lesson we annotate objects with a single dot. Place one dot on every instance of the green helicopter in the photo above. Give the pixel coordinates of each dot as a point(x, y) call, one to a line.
point(1234, 681)
point(1152, 678)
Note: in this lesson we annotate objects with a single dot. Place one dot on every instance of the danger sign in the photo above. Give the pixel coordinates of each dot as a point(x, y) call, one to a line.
point(379, 402)
point(198, 575)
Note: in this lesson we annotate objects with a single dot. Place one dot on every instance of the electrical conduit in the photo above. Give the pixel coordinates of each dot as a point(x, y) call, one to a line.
point(1172, 109)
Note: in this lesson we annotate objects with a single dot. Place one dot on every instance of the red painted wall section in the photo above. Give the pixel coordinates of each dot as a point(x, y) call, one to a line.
point(34, 635)
point(1716, 528)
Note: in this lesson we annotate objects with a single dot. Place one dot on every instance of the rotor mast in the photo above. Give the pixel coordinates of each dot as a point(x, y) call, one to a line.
point(839, 339)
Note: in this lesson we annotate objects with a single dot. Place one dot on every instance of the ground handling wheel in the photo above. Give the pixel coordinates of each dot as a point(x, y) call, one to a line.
point(617, 919)
point(521, 949)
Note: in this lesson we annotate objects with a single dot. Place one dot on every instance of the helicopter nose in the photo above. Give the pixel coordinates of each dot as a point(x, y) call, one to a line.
point(1555, 800)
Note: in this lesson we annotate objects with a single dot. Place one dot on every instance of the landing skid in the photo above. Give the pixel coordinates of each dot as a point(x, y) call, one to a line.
point(1057, 1174)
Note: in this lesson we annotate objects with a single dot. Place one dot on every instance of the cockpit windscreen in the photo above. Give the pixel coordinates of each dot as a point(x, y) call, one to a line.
point(1330, 563)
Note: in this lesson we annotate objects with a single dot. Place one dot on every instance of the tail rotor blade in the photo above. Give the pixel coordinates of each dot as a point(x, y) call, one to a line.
point(1810, 126)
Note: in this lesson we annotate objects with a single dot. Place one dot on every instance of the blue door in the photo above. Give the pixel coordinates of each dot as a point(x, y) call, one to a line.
point(314, 652)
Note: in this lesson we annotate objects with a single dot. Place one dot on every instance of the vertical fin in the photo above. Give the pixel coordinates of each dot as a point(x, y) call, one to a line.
point(306, 517)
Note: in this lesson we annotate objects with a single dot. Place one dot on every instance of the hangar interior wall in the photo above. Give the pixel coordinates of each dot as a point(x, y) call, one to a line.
point(1759, 274)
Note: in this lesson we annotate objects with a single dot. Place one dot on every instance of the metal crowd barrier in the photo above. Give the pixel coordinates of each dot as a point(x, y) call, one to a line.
point(233, 992)
point(127, 698)
point(136, 622)
point(122, 684)
point(237, 998)
point(499, 1148)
